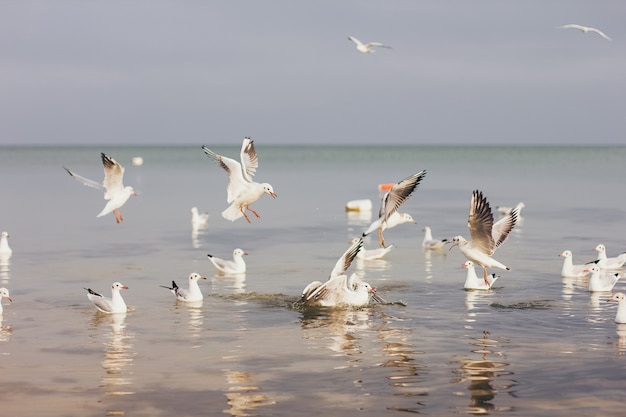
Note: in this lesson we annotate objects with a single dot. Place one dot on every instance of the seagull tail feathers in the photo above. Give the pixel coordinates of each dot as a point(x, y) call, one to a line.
point(232, 213)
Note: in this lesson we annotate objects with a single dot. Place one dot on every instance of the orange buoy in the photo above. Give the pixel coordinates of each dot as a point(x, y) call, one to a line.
point(385, 187)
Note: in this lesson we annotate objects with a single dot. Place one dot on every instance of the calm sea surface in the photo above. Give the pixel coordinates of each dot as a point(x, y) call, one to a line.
point(536, 345)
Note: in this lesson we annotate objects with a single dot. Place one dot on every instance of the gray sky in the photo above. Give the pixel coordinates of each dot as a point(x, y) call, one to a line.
point(283, 72)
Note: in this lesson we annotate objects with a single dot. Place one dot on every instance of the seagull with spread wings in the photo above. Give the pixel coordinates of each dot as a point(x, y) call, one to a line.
point(388, 215)
point(241, 190)
point(114, 190)
point(486, 235)
point(367, 48)
point(584, 29)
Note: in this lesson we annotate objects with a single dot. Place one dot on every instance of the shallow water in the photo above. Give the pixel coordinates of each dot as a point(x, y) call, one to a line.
point(537, 344)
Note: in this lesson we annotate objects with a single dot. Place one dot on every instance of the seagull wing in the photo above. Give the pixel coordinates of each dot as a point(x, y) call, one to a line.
point(355, 40)
point(572, 26)
point(599, 32)
point(381, 45)
point(249, 159)
point(113, 177)
point(85, 181)
point(399, 193)
point(236, 181)
point(346, 259)
point(502, 228)
point(480, 223)
point(98, 300)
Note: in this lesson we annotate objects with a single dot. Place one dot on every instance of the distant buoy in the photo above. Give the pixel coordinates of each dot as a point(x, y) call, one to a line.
point(385, 187)
point(137, 161)
point(359, 205)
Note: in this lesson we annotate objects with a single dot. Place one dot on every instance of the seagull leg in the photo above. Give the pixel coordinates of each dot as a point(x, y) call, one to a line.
point(485, 275)
point(244, 214)
point(381, 238)
point(255, 213)
point(117, 219)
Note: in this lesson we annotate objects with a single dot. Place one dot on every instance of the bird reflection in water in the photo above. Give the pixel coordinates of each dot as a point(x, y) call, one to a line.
point(482, 374)
point(621, 338)
point(242, 394)
point(5, 268)
point(117, 354)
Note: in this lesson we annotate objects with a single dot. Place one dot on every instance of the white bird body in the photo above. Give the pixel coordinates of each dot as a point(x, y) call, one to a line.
point(609, 264)
point(598, 282)
point(472, 282)
point(367, 48)
point(585, 29)
point(569, 270)
point(388, 215)
point(339, 289)
point(241, 190)
point(430, 243)
point(112, 305)
point(190, 295)
point(199, 220)
point(620, 298)
point(236, 266)
point(4, 293)
point(371, 254)
point(486, 235)
point(5, 249)
point(114, 190)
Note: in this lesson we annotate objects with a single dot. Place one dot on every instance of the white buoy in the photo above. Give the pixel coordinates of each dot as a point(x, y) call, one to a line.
point(359, 205)
point(137, 161)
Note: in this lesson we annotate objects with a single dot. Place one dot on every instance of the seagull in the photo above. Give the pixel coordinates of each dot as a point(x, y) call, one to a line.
point(486, 235)
point(620, 298)
point(371, 254)
point(193, 294)
point(5, 249)
point(503, 210)
point(472, 282)
point(611, 264)
point(339, 289)
point(236, 266)
point(114, 190)
point(601, 283)
point(584, 29)
point(570, 270)
point(432, 244)
point(241, 190)
point(367, 48)
point(115, 304)
point(199, 220)
point(388, 215)
point(4, 293)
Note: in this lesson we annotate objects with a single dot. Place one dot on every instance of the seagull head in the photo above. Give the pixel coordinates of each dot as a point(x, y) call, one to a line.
point(267, 189)
point(456, 241)
point(118, 286)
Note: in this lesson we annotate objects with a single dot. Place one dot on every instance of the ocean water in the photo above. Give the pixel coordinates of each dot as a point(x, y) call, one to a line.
point(536, 345)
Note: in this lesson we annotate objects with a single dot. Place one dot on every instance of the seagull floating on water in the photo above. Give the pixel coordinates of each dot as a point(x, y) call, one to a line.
point(339, 289)
point(620, 298)
point(4, 293)
point(367, 48)
point(584, 29)
point(472, 282)
point(5, 249)
point(432, 244)
point(190, 295)
point(610, 264)
point(112, 305)
point(388, 215)
point(241, 190)
point(599, 282)
point(236, 266)
point(199, 220)
point(371, 254)
point(486, 235)
point(114, 190)
point(569, 270)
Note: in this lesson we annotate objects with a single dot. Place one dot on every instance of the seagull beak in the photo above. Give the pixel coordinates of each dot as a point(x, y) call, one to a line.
point(202, 277)
point(9, 298)
point(124, 287)
point(453, 245)
point(245, 253)
point(273, 194)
